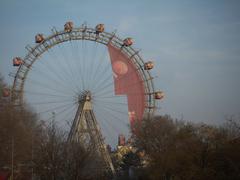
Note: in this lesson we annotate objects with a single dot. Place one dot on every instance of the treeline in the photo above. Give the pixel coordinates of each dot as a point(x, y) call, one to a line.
point(34, 149)
point(16, 132)
point(178, 150)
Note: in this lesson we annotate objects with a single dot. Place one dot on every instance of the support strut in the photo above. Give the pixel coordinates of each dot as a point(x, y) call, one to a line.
point(85, 130)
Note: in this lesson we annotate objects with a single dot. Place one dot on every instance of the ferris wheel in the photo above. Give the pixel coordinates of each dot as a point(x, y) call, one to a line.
point(84, 62)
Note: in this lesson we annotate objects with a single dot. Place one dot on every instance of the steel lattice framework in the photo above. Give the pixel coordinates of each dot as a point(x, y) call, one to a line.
point(85, 130)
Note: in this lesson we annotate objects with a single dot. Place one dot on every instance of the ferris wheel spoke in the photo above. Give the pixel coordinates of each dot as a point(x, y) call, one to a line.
point(50, 102)
point(84, 52)
point(66, 118)
point(60, 83)
point(47, 65)
point(65, 76)
point(77, 59)
point(68, 66)
point(99, 65)
point(87, 64)
point(94, 65)
point(114, 107)
point(81, 63)
point(108, 77)
point(107, 111)
point(107, 124)
point(88, 68)
point(32, 98)
point(45, 94)
point(58, 113)
point(74, 65)
point(110, 120)
point(47, 86)
point(59, 73)
point(111, 105)
point(104, 81)
point(118, 103)
point(103, 78)
point(58, 107)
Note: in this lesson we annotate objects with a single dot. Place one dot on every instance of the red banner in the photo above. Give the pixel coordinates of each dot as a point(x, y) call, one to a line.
point(127, 81)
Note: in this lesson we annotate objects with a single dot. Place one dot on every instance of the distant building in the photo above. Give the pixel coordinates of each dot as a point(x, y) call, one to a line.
point(121, 140)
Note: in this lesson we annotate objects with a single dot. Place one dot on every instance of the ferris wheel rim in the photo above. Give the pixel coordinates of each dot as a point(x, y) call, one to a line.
point(81, 34)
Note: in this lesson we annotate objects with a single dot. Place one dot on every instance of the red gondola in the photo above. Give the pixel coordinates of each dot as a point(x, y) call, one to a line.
point(121, 140)
point(5, 92)
point(127, 42)
point(17, 61)
point(148, 65)
point(68, 26)
point(159, 95)
point(39, 38)
point(99, 28)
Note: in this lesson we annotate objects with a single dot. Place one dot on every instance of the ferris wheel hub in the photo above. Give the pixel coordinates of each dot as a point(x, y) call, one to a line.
point(84, 96)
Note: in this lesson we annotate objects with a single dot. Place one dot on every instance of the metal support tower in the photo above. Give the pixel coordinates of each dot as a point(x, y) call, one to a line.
point(86, 131)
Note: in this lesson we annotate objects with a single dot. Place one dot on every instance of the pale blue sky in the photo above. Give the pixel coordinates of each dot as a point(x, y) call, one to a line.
point(195, 45)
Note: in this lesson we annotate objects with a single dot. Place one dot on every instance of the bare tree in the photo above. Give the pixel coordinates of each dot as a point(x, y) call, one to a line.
point(180, 150)
point(56, 158)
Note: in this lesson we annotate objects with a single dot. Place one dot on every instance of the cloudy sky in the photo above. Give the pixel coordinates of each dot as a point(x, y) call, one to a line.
point(195, 45)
